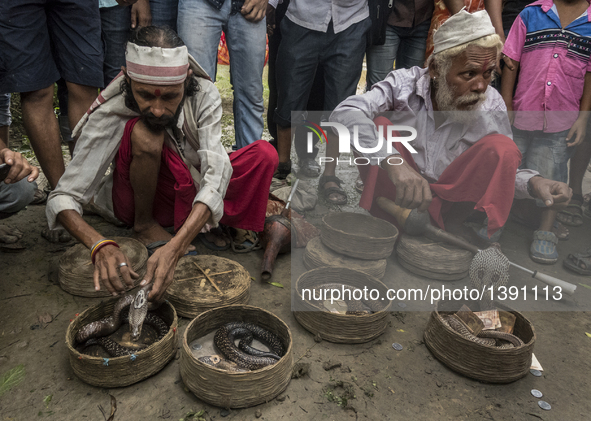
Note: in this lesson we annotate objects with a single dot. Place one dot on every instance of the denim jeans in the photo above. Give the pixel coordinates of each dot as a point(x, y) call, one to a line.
point(115, 28)
point(14, 197)
point(5, 116)
point(164, 13)
point(200, 26)
point(406, 46)
point(545, 153)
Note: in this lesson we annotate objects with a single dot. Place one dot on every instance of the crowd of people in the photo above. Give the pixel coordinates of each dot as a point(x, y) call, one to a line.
point(485, 143)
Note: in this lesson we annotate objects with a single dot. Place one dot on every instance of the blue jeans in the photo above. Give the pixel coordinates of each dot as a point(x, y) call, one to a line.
point(164, 13)
point(200, 26)
point(14, 197)
point(5, 116)
point(545, 153)
point(115, 28)
point(406, 46)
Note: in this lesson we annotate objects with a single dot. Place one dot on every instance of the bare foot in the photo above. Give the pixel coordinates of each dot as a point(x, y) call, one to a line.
point(218, 238)
point(153, 233)
point(58, 235)
point(467, 234)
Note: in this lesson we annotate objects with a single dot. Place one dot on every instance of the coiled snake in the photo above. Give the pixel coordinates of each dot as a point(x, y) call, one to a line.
point(489, 268)
point(246, 356)
point(97, 332)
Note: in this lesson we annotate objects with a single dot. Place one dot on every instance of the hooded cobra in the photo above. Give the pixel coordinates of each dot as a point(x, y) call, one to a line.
point(95, 333)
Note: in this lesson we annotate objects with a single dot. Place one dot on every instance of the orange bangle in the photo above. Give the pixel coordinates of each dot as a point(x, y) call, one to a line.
point(99, 246)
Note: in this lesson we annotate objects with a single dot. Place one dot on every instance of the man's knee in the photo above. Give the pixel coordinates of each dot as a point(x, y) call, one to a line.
point(14, 197)
point(498, 147)
point(145, 143)
point(266, 155)
point(44, 95)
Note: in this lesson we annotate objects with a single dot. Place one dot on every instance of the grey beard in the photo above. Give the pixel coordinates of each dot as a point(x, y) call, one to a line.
point(449, 105)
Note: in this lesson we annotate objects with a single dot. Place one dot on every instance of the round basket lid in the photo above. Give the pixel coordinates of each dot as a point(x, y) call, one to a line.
point(433, 259)
point(317, 254)
point(192, 293)
point(358, 235)
point(76, 269)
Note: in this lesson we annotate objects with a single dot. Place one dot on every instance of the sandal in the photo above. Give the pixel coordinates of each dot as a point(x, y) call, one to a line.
point(243, 241)
point(39, 198)
point(579, 262)
point(543, 248)
point(212, 245)
point(309, 168)
point(561, 232)
point(327, 191)
point(574, 210)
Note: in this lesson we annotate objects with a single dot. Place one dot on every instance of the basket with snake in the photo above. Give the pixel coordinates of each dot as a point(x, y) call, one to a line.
point(357, 319)
point(489, 356)
point(246, 376)
point(117, 363)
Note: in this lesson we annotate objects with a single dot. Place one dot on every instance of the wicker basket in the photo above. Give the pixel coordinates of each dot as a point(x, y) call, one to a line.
point(318, 255)
point(235, 389)
point(357, 235)
point(76, 269)
point(433, 259)
point(478, 361)
point(121, 371)
point(191, 293)
point(334, 327)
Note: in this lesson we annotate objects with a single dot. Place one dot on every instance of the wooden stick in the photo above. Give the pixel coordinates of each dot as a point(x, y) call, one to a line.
point(193, 277)
point(221, 273)
point(207, 276)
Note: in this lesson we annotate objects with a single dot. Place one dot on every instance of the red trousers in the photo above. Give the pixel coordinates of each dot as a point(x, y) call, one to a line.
point(483, 174)
point(245, 202)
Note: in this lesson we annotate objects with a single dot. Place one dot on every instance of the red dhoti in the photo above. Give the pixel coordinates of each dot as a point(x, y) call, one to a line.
point(245, 202)
point(483, 174)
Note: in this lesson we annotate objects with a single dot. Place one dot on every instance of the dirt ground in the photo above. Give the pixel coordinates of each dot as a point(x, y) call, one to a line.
point(371, 381)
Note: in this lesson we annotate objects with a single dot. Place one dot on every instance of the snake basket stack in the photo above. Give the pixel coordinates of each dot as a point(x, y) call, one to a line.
point(358, 236)
point(192, 292)
point(433, 259)
point(76, 268)
point(478, 361)
point(228, 389)
point(121, 371)
point(335, 327)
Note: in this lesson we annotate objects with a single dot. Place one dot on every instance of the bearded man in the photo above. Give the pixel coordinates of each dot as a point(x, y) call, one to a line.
point(465, 157)
point(158, 123)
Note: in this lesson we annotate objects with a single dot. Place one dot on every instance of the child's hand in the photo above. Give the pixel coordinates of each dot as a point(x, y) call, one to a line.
point(577, 132)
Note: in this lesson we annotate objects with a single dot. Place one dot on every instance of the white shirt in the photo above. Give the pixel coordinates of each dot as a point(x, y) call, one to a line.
point(407, 92)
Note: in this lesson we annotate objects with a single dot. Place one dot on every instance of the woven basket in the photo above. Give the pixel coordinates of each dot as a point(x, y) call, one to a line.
point(357, 235)
point(318, 255)
point(334, 327)
point(121, 371)
point(191, 299)
point(76, 269)
point(227, 389)
point(478, 361)
point(433, 259)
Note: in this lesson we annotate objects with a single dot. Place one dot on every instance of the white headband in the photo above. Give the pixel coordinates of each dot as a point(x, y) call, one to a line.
point(462, 28)
point(157, 66)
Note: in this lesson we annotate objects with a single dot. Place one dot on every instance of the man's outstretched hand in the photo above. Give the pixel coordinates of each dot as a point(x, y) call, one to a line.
point(555, 194)
point(107, 269)
point(19, 167)
point(412, 190)
point(254, 10)
point(160, 271)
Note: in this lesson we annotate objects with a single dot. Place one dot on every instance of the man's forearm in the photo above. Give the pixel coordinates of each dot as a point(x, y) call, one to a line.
point(199, 215)
point(73, 222)
point(508, 83)
point(494, 8)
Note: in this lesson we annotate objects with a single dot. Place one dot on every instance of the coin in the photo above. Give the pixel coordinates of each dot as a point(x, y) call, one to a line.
point(536, 393)
point(401, 305)
point(196, 346)
point(397, 346)
point(544, 405)
point(535, 372)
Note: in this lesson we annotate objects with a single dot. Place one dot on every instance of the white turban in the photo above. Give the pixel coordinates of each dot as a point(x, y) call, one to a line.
point(155, 65)
point(462, 28)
